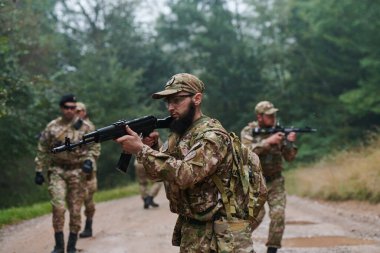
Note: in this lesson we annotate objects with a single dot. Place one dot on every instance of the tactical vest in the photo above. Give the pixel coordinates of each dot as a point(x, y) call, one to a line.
point(240, 186)
point(195, 203)
point(271, 160)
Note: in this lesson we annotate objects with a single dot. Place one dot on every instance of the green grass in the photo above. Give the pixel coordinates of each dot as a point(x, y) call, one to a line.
point(17, 214)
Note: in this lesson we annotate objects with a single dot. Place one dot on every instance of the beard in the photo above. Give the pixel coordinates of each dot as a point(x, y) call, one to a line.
point(180, 125)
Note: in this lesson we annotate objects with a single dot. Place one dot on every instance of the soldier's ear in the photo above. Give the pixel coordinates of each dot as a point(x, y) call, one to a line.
point(197, 98)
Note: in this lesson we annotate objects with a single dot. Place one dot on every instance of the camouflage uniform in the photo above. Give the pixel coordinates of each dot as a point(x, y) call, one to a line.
point(144, 182)
point(66, 179)
point(271, 162)
point(91, 180)
point(194, 166)
point(186, 165)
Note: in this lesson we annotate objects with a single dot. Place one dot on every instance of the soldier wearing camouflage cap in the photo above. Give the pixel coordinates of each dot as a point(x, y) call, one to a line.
point(272, 149)
point(197, 153)
point(91, 179)
point(66, 170)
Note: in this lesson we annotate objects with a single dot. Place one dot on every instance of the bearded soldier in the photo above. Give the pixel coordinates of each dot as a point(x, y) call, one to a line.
point(194, 163)
point(271, 148)
point(66, 171)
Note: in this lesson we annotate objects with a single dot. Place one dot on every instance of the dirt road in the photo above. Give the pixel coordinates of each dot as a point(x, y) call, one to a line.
point(123, 226)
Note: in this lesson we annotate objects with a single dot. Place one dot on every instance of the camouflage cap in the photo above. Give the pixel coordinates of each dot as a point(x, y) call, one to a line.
point(265, 107)
point(181, 82)
point(81, 106)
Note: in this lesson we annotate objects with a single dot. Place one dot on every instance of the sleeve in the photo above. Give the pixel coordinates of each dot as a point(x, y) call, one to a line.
point(289, 151)
point(257, 145)
point(94, 152)
point(94, 149)
point(200, 162)
point(43, 157)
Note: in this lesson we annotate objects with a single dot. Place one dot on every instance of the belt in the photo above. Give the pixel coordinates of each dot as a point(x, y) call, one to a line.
point(66, 166)
point(270, 178)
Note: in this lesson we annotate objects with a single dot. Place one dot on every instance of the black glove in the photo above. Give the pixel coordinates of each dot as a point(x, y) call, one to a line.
point(39, 178)
point(87, 166)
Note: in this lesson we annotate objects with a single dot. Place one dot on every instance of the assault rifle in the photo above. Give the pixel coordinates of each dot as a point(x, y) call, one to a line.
point(285, 130)
point(143, 126)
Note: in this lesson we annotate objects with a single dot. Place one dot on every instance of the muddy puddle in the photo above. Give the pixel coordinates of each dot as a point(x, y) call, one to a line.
point(324, 241)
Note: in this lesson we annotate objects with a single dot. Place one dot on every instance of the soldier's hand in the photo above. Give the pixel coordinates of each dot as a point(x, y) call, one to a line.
point(291, 137)
point(39, 178)
point(275, 138)
point(87, 166)
point(131, 143)
point(152, 139)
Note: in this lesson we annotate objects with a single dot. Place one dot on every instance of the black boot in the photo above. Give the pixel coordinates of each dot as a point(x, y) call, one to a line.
point(87, 232)
point(152, 203)
point(59, 243)
point(71, 243)
point(146, 202)
point(272, 250)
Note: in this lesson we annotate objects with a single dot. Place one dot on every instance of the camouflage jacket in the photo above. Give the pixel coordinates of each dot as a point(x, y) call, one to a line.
point(54, 134)
point(270, 155)
point(186, 165)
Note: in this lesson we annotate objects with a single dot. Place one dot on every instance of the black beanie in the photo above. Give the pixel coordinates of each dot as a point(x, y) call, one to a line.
point(67, 98)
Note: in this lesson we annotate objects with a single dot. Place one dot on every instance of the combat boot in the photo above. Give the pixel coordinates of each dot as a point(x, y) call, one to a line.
point(146, 202)
point(87, 232)
point(59, 243)
point(152, 203)
point(272, 250)
point(71, 243)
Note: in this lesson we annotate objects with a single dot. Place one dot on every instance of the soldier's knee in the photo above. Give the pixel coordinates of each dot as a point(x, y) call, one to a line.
point(278, 215)
point(59, 210)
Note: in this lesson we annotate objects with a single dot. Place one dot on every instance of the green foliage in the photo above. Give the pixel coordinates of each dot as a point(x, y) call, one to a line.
point(209, 44)
point(318, 61)
point(17, 214)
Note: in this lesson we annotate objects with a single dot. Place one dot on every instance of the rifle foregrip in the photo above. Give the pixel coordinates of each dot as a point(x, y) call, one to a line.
point(123, 162)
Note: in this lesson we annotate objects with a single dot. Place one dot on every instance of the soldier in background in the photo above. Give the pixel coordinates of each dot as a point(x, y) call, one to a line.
point(91, 180)
point(66, 171)
point(146, 194)
point(271, 148)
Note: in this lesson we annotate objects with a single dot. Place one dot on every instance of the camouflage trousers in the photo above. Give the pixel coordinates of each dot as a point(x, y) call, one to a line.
point(66, 186)
point(144, 183)
point(214, 237)
point(91, 188)
point(276, 202)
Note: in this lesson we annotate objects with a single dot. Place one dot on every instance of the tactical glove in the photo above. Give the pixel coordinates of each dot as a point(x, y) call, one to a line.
point(39, 178)
point(87, 166)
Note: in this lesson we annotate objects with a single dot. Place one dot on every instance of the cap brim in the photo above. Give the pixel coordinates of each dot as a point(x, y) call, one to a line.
point(271, 111)
point(164, 93)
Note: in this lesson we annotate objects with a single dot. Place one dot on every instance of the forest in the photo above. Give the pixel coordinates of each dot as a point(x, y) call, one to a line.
point(317, 61)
